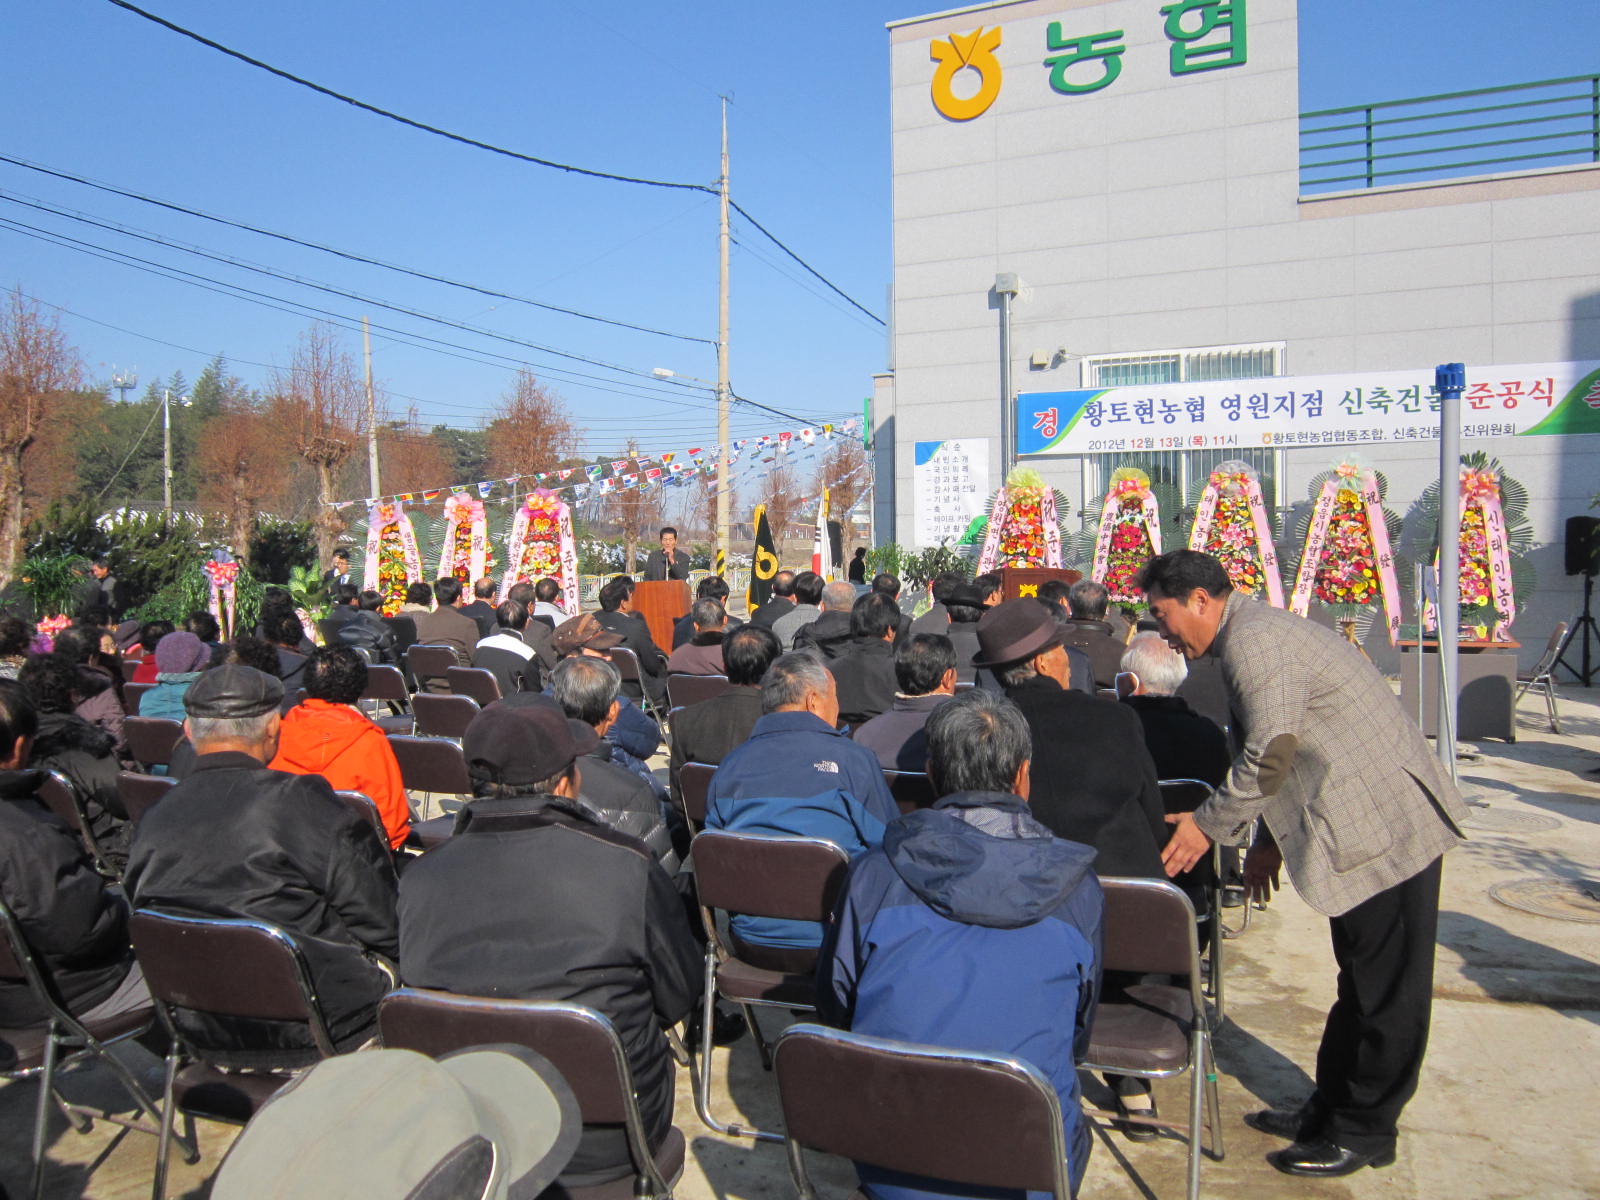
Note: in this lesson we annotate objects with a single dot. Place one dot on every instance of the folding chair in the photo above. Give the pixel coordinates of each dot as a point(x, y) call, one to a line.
point(476, 682)
point(150, 739)
point(1542, 679)
point(386, 685)
point(62, 1042)
point(757, 875)
point(233, 968)
point(627, 665)
point(364, 807)
point(684, 690)
point(694, 786)
point(428, 661)
point(139, 793)
point(443, 716)
point(130, 668)
point(911, 789)
point(579, 1042)
point(1157, 1030)
point(1186, 795)
point(431, 765)
point(328, 631)
point(61, 798)
point(132, 693)
point(960, 1116)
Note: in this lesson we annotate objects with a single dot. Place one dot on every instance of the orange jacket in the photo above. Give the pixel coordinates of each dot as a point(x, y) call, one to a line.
point(351, 753)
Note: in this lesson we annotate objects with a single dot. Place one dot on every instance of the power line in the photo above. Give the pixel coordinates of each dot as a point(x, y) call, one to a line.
point(493, 149)
point(348, 254)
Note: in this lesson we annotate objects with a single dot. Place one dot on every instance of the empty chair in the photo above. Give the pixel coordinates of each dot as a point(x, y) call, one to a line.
point(959, 1116)
point(132, 693)
point(1157, 1030)
point(1542, 679)
point(265, 980)
point(139, 793)
point(431, 765)
point(911, 789)
point(60, 1044)
point(475, 682)
point(429, 662)
point(763, 876)
point(691, 689)
point(443, 716)
point(386, 685)
point(150, 739)
point(579, 1042)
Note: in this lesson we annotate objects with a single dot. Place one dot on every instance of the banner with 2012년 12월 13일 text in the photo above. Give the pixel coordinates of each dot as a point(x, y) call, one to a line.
point(1519, 400)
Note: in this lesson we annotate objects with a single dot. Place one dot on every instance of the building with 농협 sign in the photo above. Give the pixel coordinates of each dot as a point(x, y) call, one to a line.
point(1204, 273)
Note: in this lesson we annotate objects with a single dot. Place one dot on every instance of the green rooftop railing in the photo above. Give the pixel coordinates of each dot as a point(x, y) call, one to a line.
point(1554, 122)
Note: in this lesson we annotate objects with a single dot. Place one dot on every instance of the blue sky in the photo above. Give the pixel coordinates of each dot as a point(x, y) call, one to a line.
point(629, 88)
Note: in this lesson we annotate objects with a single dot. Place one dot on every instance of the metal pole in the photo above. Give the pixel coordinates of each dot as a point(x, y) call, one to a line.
point(372, 413)
point(723, 506)
point(1451, 380)
point(1006, 286)
point(166, 452)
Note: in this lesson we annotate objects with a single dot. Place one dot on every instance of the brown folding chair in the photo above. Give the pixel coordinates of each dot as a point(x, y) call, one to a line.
point(130, 668)
point(694, 786)
point(627, 664)
point(476, 682)
point(63, 1042)
point(684, 690)
point(150, 739)
point(386, 685)
point(232, 968)
point(1186, 795)
point(132, 693)
point(579, 1042)
point(443, 716)
point(1157, 1030)
point(431, 765)
point(140, 793)
point(62, 798)
point(1542, 679)
point(911, 789)
point(960, 1116)
point(757, 875)
point(428, 661)
point(366, 808)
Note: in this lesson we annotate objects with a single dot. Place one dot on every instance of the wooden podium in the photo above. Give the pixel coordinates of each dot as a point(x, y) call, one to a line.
point(661, 603)
point(1016, 582)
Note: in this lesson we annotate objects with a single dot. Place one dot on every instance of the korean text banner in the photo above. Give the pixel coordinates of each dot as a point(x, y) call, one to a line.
point(1520, 400)
point(950, 482)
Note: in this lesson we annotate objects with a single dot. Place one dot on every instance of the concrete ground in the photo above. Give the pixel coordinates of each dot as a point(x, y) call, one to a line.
point(1506, 1098)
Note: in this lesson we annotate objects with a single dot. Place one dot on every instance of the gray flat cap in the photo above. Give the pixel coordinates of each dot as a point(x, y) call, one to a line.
point(231, 691)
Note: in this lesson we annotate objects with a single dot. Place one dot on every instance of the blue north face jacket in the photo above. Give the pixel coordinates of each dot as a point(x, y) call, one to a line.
point(971, 927)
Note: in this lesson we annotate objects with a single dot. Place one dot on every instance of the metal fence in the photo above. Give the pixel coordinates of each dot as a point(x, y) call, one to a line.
point(1555, 122)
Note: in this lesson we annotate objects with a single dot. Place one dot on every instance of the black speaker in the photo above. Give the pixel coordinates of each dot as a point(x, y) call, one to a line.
point(1583, 545)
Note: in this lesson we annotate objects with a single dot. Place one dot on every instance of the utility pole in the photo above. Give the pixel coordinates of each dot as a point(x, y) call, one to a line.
point(723, 546)
point(166, 452)
point(372, 413)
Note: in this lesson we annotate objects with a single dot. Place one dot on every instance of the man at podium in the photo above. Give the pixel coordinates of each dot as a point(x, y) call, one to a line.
point(668, 562)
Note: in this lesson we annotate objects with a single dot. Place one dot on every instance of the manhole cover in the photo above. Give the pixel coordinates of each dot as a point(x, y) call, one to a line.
point(1505, 821)
point(1564, 899)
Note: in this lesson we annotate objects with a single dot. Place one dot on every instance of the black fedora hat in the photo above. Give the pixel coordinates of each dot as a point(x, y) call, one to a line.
point(1014, 631)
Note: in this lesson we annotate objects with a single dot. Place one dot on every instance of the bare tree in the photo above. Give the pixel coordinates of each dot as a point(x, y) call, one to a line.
point(530, 430)
point(319, 403)
point(846, 472)
point(413, 459)
point(36, 367)
point(636, 511)
point(779, 490)
point(241, 454)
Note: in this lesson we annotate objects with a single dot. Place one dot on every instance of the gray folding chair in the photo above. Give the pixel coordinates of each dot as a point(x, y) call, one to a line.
point(476, 682)
point(694, 784)
point(150, 740)
point(62, 1042)
point(579, 1042)
point(140, 793)
point(911, 790)
point(431, 766)
point(132, 693)
point(428, 661)
point(1542, 679)
point(1157, 1030)
point(386, 685)
point(627, 665)
point(958, 1116)
point(443, 716)
point(683, 690)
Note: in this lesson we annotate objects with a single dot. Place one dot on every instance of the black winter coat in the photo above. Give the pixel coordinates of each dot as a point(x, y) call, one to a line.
point(1093, 779)
point(86, 755)
point(235, 839)
point(864, 673)
point(71, 919)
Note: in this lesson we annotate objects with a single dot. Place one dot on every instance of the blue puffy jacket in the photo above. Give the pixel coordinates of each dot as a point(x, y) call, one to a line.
point(970, 927)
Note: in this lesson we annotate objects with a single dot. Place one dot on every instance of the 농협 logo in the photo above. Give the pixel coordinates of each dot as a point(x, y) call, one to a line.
point(975, 50)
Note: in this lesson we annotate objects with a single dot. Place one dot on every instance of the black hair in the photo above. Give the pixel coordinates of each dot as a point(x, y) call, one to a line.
point(18, 718)
point(336, 674)
point(283, 626)
point(1177, 573)
point(343, 593)
point(274, 596)
point(666, 529)
point(16, 635)
point(511, 614)
point(78, 645)
point(524, 593)
point(808, 587)
point(203, 625)
point(921, 661)
point(977, 742)
point(152, 632)
point(254, 652)
point(546, 590)
point(419, 593)
point(783, 583)
point(712, 587)
point(747, 652)
point(370, 601)
point(615, 592)
point(873, 615)
point(886, 583)
point(484, 589)
point(342, 553)
point(51, 683)
point(447, 590)
point(944, 585)
point(1055, 589)
point(987, 584)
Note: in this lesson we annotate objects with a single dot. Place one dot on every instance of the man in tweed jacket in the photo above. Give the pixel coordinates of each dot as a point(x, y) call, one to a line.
point(1354, 805)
